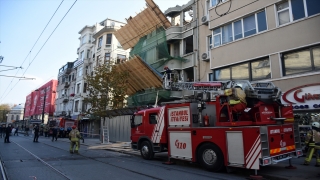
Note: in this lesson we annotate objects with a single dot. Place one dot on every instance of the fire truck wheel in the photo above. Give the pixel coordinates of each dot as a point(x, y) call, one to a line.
point(210, 157)
point(146, 150)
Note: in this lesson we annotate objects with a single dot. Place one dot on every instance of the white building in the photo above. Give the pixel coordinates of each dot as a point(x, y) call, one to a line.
point(97, 45)
point(15, 115)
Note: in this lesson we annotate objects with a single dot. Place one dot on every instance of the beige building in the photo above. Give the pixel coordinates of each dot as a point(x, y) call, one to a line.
point(270, 40)
point(273, 40)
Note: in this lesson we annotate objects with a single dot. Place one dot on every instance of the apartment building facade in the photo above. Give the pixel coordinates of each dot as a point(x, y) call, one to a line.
point(97, 46)
point(275, 41)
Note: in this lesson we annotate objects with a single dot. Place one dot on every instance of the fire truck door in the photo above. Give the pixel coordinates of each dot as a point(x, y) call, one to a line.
point(180, 145)
point(235, 147)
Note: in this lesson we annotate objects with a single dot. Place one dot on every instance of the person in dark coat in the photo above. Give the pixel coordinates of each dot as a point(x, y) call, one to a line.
point(8, 131)
point(54, 133)
point(36, 133)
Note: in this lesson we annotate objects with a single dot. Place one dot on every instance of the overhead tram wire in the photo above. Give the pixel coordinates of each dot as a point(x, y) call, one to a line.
point(42, 47)
point(32, 47)
point(178, 34)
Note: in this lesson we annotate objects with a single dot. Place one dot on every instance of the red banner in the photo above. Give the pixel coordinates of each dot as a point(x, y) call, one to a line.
point(45, 95)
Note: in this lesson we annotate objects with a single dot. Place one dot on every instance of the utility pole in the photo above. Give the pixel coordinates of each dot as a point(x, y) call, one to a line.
point(44, 105)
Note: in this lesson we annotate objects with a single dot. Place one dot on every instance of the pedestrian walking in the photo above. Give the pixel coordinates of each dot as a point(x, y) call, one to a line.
point(8, 131)
point(36, 133)
point(26, 131)
point(16, 132)
point(74, 137)
point(54, 133)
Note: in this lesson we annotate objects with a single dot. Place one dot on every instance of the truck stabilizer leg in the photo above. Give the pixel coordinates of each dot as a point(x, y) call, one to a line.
point(290, 165)
point(255, 176)
point(169, 162)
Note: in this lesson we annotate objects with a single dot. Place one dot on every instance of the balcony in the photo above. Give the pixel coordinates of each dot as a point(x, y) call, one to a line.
point(67, 84)
point(65, 100)
point(180, 32)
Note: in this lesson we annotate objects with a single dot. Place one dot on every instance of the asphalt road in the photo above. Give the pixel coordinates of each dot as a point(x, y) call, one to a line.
point(23, 159)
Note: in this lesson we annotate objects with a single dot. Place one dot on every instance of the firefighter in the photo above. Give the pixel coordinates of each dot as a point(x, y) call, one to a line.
point(167, 72)
point(237, 100)
point(313, 143)
point(74, 137)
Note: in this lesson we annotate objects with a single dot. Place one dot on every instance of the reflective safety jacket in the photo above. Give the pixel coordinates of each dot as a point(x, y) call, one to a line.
point(74, 135)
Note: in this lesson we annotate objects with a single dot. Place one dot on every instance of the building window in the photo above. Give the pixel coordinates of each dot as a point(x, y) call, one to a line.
point(98, 60)
point(249, 25)
point(239, 72)
point(82, 55)
point(210, 76)
point(100, 42)
point(76, 104)
point(188, 45)
point(292, 10)
point(215, 2)
point(109, 38)
point(217, 37)
point(283, 13)
point(301, 61)
point(120, 58)
point(313, 7)
point(83, 40)
point(209, 43)
point(262, 21)
point(260, 69)
point(84, 87)
point(17, 117)
point(227, 34)
point(107, 57)
point(237, 29)
point(245, 27)
point(80, 71)
point(88, 54)
point(252, 71)
point(78, 88)
point(12, 117)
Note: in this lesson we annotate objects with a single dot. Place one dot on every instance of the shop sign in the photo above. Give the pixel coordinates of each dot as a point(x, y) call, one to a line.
point(303, 97)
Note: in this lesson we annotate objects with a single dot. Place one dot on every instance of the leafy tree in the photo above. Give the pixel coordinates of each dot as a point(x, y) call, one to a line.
point(4, 110)
point(106, 89)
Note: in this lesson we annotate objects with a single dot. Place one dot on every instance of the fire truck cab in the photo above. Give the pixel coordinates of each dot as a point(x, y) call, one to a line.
point(203, 129)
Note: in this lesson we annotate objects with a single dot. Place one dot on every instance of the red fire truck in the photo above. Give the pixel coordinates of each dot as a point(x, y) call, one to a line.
point(196, 128)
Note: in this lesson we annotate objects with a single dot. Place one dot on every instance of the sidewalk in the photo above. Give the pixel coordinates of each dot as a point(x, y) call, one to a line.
point(277, 171)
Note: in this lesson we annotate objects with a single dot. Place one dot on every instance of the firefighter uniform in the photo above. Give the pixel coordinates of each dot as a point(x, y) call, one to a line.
point(237, 99)
point(313, 143)
point(74, 137)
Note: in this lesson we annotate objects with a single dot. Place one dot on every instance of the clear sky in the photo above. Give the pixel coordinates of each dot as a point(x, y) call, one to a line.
point(21, 23)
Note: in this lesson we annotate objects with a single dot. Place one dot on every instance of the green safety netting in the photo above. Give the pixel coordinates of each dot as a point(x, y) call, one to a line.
point(148, 97)
point(153, 49)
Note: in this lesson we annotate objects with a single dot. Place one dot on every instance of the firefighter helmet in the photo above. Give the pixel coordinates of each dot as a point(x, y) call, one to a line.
point(315, 124)
point(73, 127)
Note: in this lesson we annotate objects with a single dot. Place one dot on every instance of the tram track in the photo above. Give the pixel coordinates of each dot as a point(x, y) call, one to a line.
point(116, 166)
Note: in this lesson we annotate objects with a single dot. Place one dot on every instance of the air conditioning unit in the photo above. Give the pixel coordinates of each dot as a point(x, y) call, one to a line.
point(205, 57)
point(205, 20)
